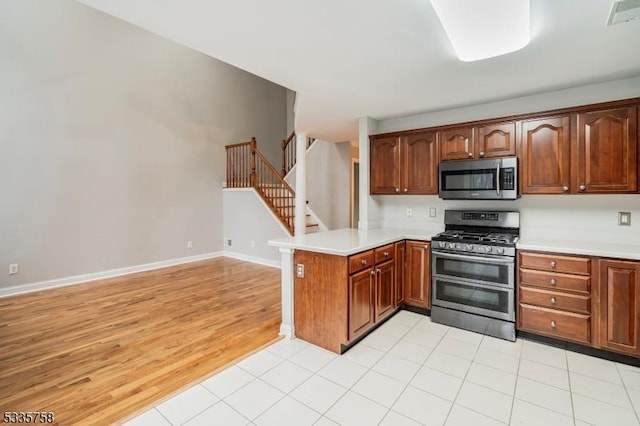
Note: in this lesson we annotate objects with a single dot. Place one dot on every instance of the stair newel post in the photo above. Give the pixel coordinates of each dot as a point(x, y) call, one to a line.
point(301, 191)
point(254, 145)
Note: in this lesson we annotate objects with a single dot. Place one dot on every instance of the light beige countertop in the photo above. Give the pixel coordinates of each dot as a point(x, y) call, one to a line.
point(589, 248)
point(345, 242)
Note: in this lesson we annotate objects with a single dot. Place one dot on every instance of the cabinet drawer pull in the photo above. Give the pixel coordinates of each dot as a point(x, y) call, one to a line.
point(553, 281)
point(471, 154)
point(364, 262)
point(582, 187)
point(373, 272)
point(481, 153)
point(553, 263)
point(553, 325)
point(397, 189)
point(378, 270)
point(406, 189)
point(553, 300)
point(565, 188)
point(386, 254)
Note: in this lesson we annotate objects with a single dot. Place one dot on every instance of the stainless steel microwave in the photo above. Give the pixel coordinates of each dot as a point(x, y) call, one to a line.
point(487, 179)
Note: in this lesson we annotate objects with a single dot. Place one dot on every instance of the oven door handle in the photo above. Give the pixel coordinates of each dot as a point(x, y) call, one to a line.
point(496, 260)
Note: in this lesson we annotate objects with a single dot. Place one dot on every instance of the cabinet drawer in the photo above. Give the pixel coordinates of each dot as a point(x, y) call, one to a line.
point(555, 263)
point(559, 324)
point(360, 261)
point(555, 300)
point(384, 253)
point(553, 281)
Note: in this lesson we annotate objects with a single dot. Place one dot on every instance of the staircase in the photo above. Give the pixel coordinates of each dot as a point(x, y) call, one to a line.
point(289, 152)
point(249, 168)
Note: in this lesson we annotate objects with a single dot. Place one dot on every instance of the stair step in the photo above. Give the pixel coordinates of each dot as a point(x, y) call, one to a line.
point(309, 225)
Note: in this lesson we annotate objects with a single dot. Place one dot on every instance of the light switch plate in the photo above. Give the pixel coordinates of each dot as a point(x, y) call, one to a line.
point(409, 212)
point(432, 212)
point(624, 218)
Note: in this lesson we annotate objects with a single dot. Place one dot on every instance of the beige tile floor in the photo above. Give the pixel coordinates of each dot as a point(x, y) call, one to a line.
point(411, 371)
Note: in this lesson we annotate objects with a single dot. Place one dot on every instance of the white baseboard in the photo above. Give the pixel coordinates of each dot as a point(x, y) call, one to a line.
point(253, 259)
point(79, 279)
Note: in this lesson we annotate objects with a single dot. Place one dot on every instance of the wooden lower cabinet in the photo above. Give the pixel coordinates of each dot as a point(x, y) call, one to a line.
point(619, 294)
point(591, 301)
point(417, 278)
point(361, 301)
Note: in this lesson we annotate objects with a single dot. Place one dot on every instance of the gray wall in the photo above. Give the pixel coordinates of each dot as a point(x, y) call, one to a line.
point(112, 141)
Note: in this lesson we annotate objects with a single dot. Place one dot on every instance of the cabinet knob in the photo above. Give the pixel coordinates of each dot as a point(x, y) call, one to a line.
point(582, 187)
point(471, 154)
point(553, 325)
point(386, 254)
point(553, 300)
point(397, 189)
point(553, 281)
point(378, 270)
point(565, 188)
point(481, 153)
point(553, 263)
point(406, 189)
point(364, 262)
point(373, 272)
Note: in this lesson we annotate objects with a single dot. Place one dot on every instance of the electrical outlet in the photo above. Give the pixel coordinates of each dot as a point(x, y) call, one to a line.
point(409, 212)
point(300, 270)
point(227, 242)
point(624, 218)
point(432, 212)
point(189, 244)
point(14, 268)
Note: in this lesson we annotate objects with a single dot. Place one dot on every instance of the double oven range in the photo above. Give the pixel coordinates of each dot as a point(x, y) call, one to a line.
point(473, 272)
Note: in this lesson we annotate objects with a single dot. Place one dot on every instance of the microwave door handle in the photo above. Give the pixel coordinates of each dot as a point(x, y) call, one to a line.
point(498, 178)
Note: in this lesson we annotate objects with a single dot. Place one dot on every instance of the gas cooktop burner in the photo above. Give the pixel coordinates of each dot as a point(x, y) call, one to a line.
point(482, 237)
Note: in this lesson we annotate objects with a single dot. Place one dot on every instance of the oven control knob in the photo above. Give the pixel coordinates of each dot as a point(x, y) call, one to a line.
point(469, 247)
point(452, 245)
point(487, 249)
point(500, 250)
point(441, 244)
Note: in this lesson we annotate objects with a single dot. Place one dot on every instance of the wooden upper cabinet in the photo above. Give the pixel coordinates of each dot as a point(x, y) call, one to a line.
point(384, 165)
point(496, 140)
point(420, 163)
point(619, 325)
point(606, 151)
point(456, 144)
point(545, 155)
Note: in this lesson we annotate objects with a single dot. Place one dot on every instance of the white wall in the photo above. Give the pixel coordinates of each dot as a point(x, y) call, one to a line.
point(581, 217)
point(247, 219)
point(112, 141)
point(582, 95)
point(328, 181)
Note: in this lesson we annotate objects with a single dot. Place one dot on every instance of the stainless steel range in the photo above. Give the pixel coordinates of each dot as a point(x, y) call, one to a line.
point(473, 272)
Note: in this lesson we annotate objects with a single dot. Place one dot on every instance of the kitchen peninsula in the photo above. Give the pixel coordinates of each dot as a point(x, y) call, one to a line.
point(349, 280)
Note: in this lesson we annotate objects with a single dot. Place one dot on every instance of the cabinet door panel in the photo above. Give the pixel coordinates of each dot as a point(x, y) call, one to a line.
point(497, 140)
point(361, 302)
point(545, 156)
point(417, 288)
point(385, 166)
point(400, 266)
point(619, 310)
point(420, 163)
point(385, 298)
point(607, 151)
point(456, 144)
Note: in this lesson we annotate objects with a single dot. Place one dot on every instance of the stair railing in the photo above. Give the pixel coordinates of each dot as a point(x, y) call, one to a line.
point(248, 168)
point(289, 152)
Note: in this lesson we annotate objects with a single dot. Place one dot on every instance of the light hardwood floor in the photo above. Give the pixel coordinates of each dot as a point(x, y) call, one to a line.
point(99, 352)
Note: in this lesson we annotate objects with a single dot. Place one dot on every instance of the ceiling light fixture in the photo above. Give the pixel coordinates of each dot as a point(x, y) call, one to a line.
point(480, 29)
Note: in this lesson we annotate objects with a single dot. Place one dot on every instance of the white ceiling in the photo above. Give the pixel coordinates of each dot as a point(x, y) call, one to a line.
point(385, 58)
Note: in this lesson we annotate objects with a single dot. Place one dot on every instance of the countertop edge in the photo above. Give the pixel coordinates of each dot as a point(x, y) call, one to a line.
point(553, 248)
